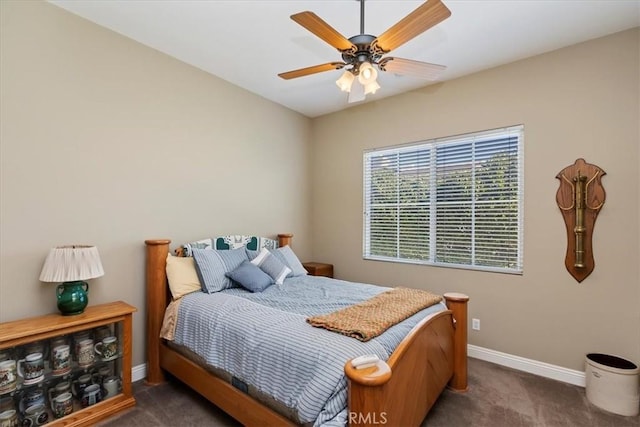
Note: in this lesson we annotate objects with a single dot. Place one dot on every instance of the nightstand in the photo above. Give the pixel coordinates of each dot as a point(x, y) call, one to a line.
point(318, 269)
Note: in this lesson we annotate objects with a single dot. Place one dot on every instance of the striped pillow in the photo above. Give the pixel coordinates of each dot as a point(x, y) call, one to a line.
point(286, 256)
point(212, 267)
point(292, 261)
point(271, 265)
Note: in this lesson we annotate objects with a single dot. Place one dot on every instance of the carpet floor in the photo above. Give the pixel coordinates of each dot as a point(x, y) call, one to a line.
point(497, 397)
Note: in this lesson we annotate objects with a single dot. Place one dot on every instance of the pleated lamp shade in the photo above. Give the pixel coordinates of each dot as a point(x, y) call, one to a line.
point(71, 263)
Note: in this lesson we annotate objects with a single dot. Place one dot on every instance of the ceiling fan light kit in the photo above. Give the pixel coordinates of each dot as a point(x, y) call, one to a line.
point(371, 88)
point(367, 74)
point(345, 81)
point(356, 94)
point(361, 52)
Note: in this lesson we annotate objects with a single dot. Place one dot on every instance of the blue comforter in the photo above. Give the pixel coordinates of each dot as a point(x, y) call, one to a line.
point(264, 340)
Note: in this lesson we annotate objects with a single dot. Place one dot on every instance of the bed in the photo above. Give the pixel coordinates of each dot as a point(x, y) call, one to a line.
point(398, 390)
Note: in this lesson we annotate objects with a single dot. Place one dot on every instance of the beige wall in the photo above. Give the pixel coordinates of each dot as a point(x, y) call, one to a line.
point(581, 101)
point(107, 142)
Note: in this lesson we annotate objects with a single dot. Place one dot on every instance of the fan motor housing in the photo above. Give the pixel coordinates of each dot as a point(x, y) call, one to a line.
point(362, 53)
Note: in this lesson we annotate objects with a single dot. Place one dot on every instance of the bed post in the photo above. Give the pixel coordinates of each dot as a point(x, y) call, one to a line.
point(402, 390)
point(157, 251)
point(284, 239)
point(457, 303)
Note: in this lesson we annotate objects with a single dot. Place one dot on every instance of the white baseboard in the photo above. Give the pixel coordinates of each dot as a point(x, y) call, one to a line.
point(535, 367)
point(528, 365)
point(139, 372)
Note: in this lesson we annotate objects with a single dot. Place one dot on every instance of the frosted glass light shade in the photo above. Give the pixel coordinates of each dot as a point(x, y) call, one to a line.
point(356, 94)
point(371, 88)
point(345, 81)
point(367, 74)
point(71, 263)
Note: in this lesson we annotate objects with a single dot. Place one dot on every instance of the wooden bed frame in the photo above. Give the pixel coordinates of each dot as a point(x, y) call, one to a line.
point(397, 392)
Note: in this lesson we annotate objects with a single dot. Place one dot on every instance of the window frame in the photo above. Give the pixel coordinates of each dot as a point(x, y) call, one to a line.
point(433, 145)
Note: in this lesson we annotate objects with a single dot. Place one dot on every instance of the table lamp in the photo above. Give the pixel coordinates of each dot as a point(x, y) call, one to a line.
point(72, 265)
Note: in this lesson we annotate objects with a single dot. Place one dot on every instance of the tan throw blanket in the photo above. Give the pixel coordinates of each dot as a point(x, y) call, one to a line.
point(372, 317)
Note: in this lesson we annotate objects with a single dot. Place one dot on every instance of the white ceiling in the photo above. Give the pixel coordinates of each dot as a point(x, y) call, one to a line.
point(249, 42)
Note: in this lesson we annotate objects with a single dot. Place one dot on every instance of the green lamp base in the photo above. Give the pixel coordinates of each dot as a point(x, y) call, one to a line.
point(72, 297)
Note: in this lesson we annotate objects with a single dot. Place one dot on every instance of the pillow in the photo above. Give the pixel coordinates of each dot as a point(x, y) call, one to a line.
point(253, 243)
point(213, 265)
point(187, 249)
point(228, 242)
point(251, 254)
point(250, 277)
point(280, 258)
point(292, 261)
point(271, 265)
point(182, 276)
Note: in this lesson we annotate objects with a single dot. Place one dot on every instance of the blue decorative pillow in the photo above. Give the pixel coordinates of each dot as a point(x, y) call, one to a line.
point(291, 261)
point(251, 277)
point(212, 267)
point(271, 265)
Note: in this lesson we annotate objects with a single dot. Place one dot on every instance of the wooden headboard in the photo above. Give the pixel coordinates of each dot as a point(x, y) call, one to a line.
point(159, 296)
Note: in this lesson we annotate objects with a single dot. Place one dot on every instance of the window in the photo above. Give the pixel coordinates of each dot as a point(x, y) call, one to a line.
point(450, 202)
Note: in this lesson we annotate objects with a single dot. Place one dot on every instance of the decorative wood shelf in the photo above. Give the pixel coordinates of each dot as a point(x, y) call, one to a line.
point(20, 332)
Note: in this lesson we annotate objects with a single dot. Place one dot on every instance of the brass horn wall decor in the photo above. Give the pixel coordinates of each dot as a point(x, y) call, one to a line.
point(580, 198)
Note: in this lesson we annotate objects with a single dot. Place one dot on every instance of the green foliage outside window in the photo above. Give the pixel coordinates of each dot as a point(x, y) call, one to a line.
point(460, 209)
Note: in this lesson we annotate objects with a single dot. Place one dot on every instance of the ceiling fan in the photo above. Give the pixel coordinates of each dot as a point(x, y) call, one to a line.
point(361, 52)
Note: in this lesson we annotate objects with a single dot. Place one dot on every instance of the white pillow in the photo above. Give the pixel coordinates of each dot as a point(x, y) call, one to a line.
point(182, 276)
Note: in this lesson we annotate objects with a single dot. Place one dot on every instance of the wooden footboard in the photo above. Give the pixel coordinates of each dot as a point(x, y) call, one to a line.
point(397, 392)
point(402, 390)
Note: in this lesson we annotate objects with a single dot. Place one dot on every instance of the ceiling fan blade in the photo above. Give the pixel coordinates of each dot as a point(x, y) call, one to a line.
point(326, 32)
point(420, 20)
point(408, 67)
point(312, 70)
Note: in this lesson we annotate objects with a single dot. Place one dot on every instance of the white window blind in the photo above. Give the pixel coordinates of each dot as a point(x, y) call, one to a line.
point(452, 202)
